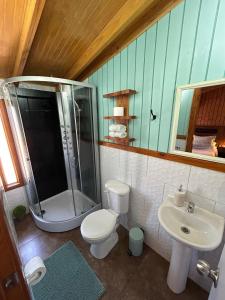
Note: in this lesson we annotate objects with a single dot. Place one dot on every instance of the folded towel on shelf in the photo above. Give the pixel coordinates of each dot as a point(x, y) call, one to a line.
point(117, 134)
point(112, 133)
point(117, 127)
point(121, 134)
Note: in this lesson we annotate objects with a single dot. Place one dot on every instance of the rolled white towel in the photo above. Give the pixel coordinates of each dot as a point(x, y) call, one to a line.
point(117, 134)
point(112, 133)
point(121, 134)
point(112, 127)
point(121, 128)
point(117, 127)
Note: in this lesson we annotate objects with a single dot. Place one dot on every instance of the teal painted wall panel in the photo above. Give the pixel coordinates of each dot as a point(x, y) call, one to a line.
point(123, 68)
point(110, 87)
point(187, 45)
point(105, 103)
point(100, 103)
point(217, 58)
point(171, 63)
point(158, 78)
point(204, 38)
point(188, 37)
point(139, 78)
point(131, 69)
point(147, 86)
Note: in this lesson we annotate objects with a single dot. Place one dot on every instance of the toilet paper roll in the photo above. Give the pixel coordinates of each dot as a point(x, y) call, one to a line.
point(34, 270)
point(118, 111)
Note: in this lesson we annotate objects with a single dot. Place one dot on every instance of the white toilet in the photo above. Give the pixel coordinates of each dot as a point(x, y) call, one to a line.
point(99, 228)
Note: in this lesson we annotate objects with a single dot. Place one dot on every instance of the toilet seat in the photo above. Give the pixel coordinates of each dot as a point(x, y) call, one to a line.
point(98, 225)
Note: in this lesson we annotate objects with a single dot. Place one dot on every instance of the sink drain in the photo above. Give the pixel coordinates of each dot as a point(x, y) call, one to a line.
point(185, 229)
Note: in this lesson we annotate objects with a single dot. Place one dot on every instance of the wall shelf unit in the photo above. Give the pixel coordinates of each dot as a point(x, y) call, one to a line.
point(122, 100)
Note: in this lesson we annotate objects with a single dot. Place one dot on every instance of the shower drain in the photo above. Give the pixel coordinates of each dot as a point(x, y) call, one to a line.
point(184, 229)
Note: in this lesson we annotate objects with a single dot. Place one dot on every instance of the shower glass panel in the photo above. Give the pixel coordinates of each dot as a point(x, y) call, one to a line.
point(40, 118)
point(19, 138)
point(82, 112)
point(44, 134)
point(77, 108)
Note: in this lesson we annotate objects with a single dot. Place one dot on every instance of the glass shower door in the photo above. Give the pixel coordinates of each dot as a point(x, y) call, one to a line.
point(78, 114)
point(44, 136)
point(85, 142)
point(21, 145)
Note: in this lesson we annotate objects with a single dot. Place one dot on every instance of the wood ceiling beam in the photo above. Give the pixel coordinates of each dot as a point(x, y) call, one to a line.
point(125, 16)
point(158, 9)
point(130, 21)
point(31, 20)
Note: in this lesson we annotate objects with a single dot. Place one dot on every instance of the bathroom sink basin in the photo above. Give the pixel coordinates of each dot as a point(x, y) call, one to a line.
point(201, 230)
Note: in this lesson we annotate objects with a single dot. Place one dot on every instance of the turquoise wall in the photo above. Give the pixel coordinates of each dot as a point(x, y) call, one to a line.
point(185, 46)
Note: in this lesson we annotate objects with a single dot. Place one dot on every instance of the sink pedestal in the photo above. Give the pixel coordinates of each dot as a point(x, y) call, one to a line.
point(179, 267)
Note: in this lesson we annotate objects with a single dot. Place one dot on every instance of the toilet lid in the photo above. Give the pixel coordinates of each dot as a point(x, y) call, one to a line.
point(98, 224)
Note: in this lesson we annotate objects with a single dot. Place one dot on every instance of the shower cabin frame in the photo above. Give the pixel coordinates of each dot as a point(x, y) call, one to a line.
point(58, 226)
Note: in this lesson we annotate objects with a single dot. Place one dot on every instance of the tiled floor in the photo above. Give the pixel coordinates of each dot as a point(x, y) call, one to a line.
point(124, 277)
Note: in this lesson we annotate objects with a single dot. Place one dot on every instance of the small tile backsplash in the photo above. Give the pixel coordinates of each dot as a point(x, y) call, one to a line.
point(151, 180)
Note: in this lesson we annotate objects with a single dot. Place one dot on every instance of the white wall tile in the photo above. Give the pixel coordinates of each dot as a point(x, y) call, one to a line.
point(132, 165)
point(168, 172)
point(9, 217)
point(136, 212)
point(200, 201)
point(207, 183)
point(16, 197)
point(109, 163)
point(109, 168)
point(151, 222)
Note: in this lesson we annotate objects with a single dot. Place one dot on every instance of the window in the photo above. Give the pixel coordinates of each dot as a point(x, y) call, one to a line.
point(10, 170)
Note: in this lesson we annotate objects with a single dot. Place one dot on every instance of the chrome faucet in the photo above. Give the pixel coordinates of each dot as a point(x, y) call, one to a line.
point(190, 207)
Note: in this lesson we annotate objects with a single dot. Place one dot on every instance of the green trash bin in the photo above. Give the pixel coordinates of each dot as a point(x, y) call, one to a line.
point(136, 239)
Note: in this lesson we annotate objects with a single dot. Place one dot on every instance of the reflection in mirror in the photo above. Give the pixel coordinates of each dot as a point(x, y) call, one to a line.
point(201, 121)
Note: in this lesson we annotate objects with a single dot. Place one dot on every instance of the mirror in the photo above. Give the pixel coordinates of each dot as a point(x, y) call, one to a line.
point(199, 121)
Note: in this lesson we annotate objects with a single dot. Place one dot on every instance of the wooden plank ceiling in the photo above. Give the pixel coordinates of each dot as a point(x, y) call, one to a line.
point(11, 22)
point(70, 38)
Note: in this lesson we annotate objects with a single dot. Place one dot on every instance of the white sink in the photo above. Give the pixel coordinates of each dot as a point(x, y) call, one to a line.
point(205, 228)
point(200, 230)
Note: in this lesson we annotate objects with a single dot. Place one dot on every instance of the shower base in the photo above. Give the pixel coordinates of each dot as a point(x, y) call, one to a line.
point(59, 213)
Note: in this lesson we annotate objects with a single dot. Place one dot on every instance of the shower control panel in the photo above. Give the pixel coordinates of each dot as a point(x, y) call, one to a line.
point(66, 128)
point(66, 137)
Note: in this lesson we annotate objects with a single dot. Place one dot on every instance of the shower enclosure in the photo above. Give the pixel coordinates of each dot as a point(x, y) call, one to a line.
point(54, 124)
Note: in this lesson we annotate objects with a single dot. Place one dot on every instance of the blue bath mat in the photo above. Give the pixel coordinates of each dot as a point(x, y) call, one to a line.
point(68, 277)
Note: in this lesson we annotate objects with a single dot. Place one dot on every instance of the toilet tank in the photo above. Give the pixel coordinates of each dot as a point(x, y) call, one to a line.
point(118, 196)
